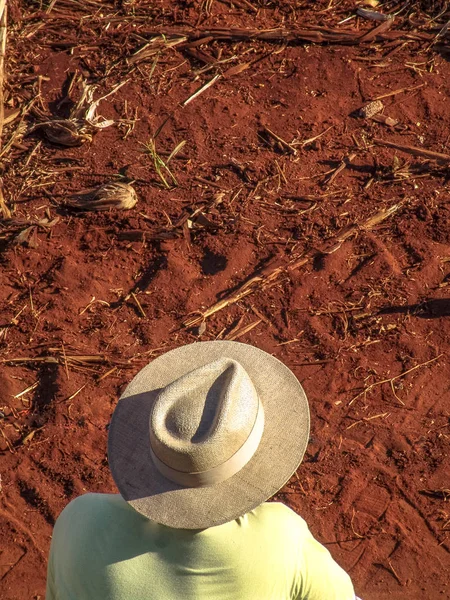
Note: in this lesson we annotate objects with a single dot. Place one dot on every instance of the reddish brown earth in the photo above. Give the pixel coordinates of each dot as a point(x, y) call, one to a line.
point(365, 328)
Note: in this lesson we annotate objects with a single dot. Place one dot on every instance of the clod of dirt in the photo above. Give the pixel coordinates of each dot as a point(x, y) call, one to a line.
point(108, 195)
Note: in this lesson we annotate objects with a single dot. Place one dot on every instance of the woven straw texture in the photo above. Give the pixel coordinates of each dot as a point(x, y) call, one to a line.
point(280, 451)
point(208, 432)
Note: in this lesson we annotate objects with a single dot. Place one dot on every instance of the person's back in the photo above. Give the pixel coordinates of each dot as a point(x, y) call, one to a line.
point(268, 553)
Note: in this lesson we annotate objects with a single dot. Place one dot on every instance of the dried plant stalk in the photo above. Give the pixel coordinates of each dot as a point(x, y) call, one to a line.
point(3, 15)
point(240, 331)
point(5, 213)
point(73, 360)
point(157, 45)
point(4, 210)
point(104, 197)
point(422, 152)
point(313, 34)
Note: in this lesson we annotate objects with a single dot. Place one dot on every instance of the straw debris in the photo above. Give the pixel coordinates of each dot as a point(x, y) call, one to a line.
point(83, 121)
point(109, 195)
point(155, 47)
point(3, 25)
point(271, 273)
point(414, 151)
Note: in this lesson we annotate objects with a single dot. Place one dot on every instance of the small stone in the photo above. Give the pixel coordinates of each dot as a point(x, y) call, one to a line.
point(201, 328)
point(385, 120)
point(371, 109)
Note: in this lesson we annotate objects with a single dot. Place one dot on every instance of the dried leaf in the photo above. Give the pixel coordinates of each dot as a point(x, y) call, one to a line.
point(237, 69)
point(46, 224)
point(10, 115)
point(371, 15)
point(202, 220)
point(27, 439)
point(27, 237)
point(65, 132)
point(201, 328)
point(175, 151)
point(83, 120)
point(104, 197)
point(86, 107)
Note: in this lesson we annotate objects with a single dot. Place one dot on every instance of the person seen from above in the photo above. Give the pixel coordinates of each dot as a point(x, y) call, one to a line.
point(199, 441)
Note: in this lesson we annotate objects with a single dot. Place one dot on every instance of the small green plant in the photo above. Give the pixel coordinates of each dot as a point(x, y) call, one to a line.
point(160, 165)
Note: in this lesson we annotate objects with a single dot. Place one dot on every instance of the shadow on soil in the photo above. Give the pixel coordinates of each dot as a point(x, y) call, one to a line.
point(35, 501)
point(156, 265)
point(48, 386)
point(429, 309)
point(258, 270)
point(63, 104)
point(212, 262)
point(444, 51)
point(149, 274)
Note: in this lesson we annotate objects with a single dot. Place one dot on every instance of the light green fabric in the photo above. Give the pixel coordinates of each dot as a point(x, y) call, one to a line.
point(102, 549)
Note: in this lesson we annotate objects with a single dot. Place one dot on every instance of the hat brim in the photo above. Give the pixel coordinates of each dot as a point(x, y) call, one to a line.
point(282, 446)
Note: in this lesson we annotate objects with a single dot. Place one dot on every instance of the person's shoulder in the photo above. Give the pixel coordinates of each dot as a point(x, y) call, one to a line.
point(92, 506)
point(280, 510)
point(280, 515)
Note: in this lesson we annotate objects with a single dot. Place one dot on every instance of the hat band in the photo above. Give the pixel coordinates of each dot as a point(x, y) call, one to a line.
point(221, 472)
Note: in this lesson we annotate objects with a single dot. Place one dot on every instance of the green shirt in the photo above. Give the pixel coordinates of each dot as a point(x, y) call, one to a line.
point(102, 549)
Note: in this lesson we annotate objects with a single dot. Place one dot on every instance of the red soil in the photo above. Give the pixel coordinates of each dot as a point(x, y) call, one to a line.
point(374, 484)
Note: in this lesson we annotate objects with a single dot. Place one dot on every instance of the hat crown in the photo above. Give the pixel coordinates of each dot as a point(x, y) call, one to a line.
point(200, 420)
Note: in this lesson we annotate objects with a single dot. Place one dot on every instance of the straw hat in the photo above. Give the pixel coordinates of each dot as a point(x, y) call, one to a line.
point(207, 432)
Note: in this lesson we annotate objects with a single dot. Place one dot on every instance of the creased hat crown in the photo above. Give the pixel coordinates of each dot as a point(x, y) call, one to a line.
point(179, 420)
point(203, 418)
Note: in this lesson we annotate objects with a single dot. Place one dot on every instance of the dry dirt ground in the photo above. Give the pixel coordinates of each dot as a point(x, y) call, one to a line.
point(282, 219)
